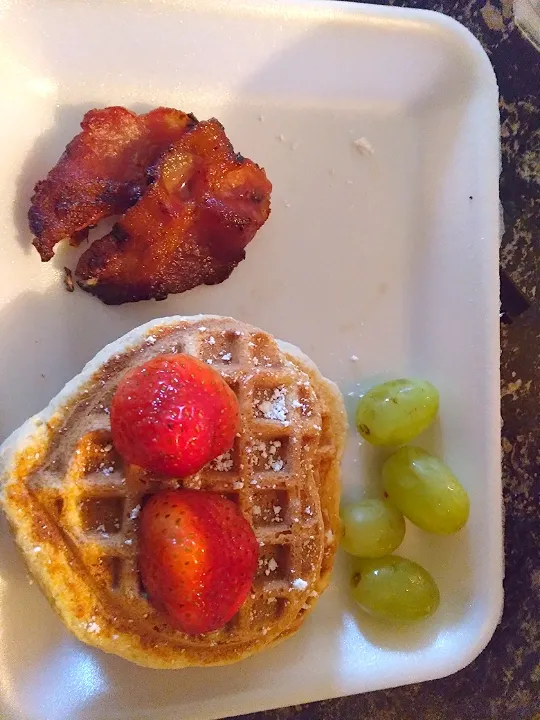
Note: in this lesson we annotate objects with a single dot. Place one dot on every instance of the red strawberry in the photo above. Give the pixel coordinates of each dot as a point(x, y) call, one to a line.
point(173, 415)
point(198, 557)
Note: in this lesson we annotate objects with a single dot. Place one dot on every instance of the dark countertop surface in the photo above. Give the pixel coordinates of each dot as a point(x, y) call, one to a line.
point(504, 682)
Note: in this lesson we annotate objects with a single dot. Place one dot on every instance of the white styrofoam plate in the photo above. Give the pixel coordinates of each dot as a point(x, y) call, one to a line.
point(390, 257)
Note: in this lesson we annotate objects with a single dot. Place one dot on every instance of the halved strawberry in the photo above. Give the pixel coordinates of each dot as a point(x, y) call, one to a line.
point(173, 415)
point(198, 557)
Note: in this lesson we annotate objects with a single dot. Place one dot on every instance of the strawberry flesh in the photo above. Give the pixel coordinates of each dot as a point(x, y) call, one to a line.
point(198, 558)
point(173, 415)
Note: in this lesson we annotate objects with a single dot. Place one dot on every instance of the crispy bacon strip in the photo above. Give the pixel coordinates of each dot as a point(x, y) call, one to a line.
point(102, 172)
point(190, 227)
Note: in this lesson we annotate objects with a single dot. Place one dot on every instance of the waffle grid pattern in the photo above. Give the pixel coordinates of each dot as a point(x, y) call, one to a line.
point(271, 473)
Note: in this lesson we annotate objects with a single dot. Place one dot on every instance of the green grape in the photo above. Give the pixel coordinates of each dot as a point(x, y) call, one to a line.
point(426, 491)
point(371, 528)
point(393, 588)
point(396, 411)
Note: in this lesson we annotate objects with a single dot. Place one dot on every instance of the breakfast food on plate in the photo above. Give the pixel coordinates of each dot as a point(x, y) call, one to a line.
point(426, 491)
point(197, 558)
point(396, 411)
point(188, 203)
point(101, 534)
point(190, 228)
point(394, 588)
point(371, 528)
point(148, 426)
point(417, 486)
point(101, 173)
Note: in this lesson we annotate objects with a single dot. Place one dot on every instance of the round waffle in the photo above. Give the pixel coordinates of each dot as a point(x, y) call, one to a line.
point(74, 504)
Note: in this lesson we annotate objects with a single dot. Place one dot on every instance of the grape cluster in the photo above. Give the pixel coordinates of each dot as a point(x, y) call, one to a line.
point(417, 486)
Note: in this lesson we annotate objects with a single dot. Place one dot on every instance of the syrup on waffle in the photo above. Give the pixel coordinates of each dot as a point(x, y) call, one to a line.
point(67, 492)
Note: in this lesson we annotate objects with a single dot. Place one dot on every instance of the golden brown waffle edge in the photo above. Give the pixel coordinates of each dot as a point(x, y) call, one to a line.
point(73, 505)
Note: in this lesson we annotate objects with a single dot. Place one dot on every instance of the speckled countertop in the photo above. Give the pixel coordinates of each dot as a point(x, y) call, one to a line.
point(504, 682)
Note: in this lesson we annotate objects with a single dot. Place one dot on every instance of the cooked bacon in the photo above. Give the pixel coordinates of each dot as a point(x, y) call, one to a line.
point(102, 172)
point(190, 228)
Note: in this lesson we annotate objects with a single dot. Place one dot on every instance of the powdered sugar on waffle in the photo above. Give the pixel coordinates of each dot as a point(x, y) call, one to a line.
point(275, 408)
point(223, 463)
point(268, 453)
